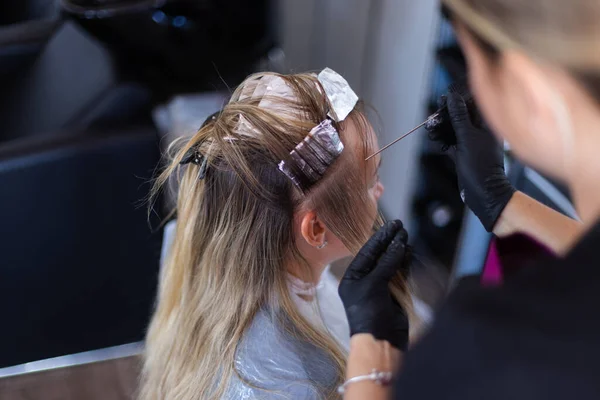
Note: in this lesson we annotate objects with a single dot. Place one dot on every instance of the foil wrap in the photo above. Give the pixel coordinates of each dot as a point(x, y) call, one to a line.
point(311, 157)
point(340, 94)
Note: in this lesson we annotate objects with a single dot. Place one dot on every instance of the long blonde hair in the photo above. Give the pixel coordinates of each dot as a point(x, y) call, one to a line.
point(234, 237)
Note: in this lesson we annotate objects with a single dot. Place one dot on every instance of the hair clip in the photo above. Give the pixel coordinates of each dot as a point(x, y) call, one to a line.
point(193, 156)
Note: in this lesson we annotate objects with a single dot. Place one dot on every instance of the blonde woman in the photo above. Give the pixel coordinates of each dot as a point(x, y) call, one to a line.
point(271, 190)
point(534, 69)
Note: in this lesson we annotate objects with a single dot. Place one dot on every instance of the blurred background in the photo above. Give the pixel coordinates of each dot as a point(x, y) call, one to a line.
point(92, 93)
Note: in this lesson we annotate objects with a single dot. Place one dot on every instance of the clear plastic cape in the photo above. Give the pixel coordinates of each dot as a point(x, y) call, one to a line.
point(272, 363)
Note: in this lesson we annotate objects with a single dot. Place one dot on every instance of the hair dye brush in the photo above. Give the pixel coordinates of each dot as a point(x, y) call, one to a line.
point(438, 124)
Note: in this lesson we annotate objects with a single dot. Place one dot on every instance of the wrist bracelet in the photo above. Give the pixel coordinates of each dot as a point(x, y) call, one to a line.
point(381, 378)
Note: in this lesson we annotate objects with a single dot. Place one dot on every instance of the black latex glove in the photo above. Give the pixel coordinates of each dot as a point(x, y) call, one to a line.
point(365, 292)
point(479, 162)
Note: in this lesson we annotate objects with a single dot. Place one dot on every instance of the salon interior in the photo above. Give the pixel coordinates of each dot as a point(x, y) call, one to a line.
point(94, 91)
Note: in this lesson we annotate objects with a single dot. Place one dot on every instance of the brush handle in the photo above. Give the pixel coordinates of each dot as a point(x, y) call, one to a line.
point(438, 124)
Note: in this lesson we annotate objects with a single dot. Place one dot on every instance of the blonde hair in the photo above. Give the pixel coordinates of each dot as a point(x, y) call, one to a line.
point(563, 33)
point(234, 237)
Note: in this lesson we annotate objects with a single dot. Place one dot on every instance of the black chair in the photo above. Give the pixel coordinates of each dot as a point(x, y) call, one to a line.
point(12, 12)
point(68, 81)
point(20, 44)
point(177, 46)
point(79, 262)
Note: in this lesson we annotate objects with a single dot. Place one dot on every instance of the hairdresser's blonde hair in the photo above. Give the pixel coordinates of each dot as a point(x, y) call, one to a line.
point(234, 236)
point(564, 33)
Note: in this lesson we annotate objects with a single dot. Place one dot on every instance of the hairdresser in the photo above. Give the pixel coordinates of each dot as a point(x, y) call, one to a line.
point(534, 70)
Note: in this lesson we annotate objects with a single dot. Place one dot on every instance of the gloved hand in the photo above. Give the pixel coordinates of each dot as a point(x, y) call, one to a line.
point(365, 292)
point(479, 162)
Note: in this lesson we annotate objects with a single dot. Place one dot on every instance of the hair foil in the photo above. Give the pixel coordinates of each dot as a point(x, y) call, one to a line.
point(341, 96)
point(310, 158)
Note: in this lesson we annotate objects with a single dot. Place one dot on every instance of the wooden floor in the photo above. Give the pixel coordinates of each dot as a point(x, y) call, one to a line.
point(106, 380)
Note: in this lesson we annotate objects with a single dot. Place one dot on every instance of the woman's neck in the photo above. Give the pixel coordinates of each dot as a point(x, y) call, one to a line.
point(585, 179)
point(303, 276)
point(306, 273)
point(586, 195)
point(582, 162)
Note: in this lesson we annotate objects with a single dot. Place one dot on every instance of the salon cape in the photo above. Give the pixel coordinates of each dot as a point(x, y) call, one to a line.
point(284, 367)
point(272, 363)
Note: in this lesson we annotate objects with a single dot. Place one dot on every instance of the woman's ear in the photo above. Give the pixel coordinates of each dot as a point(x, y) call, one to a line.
point(312, 229)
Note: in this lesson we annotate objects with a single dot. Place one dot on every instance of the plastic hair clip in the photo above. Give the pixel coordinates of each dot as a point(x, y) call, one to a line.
point(192, 156)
